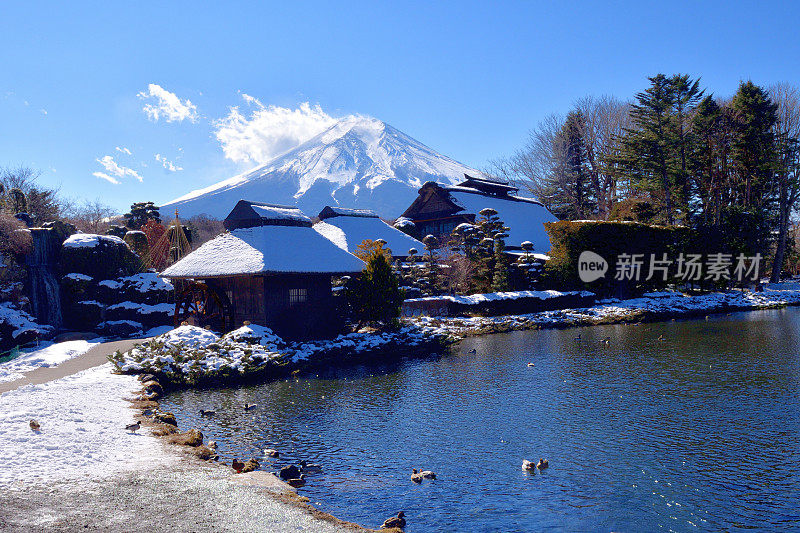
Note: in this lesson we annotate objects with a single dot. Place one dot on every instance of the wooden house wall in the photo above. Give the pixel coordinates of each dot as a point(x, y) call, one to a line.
point(247, 297)
point(264, 300)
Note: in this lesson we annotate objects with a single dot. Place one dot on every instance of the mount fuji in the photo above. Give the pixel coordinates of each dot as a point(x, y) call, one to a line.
point(358, 162)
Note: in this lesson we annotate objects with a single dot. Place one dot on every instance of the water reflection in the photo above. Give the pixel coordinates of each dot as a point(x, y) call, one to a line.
point(698, 430)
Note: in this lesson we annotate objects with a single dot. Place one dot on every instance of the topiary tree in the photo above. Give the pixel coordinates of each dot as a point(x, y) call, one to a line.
point(117, 231)
point(140, 213)
point(375, 295)
point(137, 241)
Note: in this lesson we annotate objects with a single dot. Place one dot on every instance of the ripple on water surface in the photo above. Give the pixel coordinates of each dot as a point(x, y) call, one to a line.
point(697, 431)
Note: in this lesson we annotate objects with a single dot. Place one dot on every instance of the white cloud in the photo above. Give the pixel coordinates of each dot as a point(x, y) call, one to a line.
point(167, 105)
point(167, 164)
point(123, 150)
point(114, 171)
point(104, 176)
point(43, 111)
point(269, 130)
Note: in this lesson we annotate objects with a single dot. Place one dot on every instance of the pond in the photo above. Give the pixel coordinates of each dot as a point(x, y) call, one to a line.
point(682, 426)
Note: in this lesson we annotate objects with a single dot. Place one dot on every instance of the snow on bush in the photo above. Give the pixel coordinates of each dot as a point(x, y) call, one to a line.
point(189, 336)
point(144, 282)
point(90, 240)
point(190, 355)
point(18, 322)
point(255, 334)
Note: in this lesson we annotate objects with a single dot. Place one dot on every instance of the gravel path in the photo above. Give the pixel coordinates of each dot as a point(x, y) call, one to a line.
point(185, 495)
point(191, 497)
point(95, 356)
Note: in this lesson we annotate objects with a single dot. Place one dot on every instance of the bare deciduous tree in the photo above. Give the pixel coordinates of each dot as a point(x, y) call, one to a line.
point(787, 134)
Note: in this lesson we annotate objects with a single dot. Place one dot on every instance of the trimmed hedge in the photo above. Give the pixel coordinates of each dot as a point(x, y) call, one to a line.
point(610, 240)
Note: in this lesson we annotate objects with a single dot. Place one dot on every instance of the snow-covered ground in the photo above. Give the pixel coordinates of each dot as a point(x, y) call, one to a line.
point(51, 355)
point(83, 419)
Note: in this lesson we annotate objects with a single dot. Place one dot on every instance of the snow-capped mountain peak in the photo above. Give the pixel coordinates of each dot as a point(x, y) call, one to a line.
point(358, 162)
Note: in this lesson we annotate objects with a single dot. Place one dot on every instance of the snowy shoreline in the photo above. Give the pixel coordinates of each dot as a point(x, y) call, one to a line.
point(83, 419)
point(650, 307)
point(189, 356)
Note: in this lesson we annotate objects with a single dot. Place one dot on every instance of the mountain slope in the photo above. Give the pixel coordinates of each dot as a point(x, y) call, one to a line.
point(358, 162)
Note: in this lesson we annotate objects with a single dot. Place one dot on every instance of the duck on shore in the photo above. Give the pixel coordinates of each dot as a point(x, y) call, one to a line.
point(133, 428)
point(237, 465)
point(289, 472)
point(398, 521)
point(35, 426)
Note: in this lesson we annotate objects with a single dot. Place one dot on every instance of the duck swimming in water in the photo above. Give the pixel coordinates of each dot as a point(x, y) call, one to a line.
point(310, 468)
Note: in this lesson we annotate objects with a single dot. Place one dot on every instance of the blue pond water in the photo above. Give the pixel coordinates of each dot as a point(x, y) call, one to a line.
point(700, 431)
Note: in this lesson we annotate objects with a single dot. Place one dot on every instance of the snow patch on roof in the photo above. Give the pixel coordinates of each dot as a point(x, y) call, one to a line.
point(265, 249)
point(271, 212)
point(525, 219)
point(348, 232)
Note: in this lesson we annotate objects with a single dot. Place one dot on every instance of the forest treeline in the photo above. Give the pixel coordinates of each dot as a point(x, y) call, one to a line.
point(676, 154)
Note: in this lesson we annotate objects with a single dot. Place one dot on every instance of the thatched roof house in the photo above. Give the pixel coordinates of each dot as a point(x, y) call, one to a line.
point(439, 209)
point(271, 268)
point(347, 228)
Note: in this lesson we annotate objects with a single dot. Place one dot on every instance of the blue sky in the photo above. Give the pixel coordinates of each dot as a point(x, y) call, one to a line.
point(469, 79)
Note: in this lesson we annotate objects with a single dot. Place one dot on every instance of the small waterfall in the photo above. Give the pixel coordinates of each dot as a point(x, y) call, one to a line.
point(43, 288)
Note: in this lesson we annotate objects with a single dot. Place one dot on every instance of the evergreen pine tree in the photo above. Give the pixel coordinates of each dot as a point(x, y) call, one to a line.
point(140, 213)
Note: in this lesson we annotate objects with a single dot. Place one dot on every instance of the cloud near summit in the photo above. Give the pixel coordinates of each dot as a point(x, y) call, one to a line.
point(268, 130)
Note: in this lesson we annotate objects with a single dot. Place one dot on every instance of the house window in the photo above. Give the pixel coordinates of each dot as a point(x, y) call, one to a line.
point(297, 296)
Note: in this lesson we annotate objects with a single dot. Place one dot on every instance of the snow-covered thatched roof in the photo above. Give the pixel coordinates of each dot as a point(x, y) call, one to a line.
point(347, 231)
point(246, 214)
point(264, 250)
point(525, 217)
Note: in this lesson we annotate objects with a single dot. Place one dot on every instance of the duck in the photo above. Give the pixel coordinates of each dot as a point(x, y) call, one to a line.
point(398, 521)
point(578, 338)
point(212, 444)
point(237, 465)
point(528, 465)
point(531, 365)
point(35, 426)
point(427, 474)
point(310, 468)
point(473, 351)
point(542, 464)
point(133, 428)
point(661, 337)
point(203, 412)
point(269, 452)
point(606, 340)
point(297, 482)
point(249, 406)
point(416, 477)
point(289, 472)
